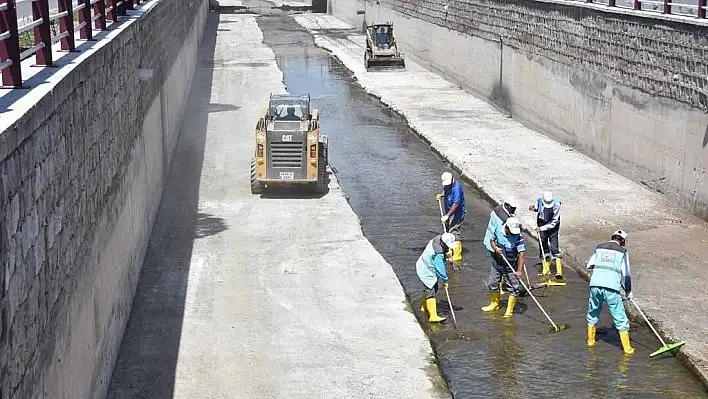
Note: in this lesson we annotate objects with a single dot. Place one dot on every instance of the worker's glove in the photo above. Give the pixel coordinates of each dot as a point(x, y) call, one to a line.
point(444, 218)
point(630, 295)
point(439, 197)
point(444, 285)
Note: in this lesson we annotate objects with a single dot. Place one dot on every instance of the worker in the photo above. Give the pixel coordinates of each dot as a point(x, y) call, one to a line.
point(507, 242)
point(290, 116)
point(497, 218)
point(382, 37)
point(610, 266)
point(547, 210)
point(431, 267)
point(454, 205)
point(454, 209)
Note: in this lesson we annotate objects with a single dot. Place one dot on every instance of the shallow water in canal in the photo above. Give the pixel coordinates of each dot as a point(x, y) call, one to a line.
point(390, 178)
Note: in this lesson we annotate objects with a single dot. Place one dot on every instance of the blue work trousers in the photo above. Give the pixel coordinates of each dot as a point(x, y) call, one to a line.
point(549, 241)
point(598, 295)
point(501, 269)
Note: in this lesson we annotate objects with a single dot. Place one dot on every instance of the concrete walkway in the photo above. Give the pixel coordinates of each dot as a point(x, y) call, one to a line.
point(287, 299)
point(668, 247)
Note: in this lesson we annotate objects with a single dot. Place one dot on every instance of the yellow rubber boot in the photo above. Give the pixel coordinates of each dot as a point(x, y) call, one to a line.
point(432, 306)
point(422, 302)
point(559, 269)
point(546, 267)
point(510, 306)
point(626, 345)
point(591, 336)
point(494, 302)
point(559, 274)
point(457, 252)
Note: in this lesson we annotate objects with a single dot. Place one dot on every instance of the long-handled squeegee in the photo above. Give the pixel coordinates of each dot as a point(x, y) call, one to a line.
point(664, 346)
point(555, 327)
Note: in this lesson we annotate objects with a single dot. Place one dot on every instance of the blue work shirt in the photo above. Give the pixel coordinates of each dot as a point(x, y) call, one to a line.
point(455, 195)
point(512, 245)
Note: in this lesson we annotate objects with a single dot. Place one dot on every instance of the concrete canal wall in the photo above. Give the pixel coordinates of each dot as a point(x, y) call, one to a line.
point(626, 88)
point(83, 159)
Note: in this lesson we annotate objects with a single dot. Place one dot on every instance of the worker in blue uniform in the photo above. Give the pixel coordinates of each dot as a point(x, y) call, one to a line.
point(548, 215)
point(430, 267)
point(497, 218)
point(610, 273)
point(507, 242)
point(454, 210)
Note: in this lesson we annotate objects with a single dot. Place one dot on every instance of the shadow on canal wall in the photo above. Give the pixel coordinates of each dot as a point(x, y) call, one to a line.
point(149, 350)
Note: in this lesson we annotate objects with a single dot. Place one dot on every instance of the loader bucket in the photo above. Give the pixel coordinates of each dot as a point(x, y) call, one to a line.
point(386, 62)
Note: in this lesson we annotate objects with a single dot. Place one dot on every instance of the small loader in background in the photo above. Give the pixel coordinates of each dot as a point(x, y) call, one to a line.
point(289, 149)
point(382, 48)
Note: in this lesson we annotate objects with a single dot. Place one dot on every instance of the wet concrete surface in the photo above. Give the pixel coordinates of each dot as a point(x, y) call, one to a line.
point(390, 178)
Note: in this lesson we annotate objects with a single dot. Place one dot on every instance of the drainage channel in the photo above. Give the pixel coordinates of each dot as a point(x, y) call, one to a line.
point(390, 177)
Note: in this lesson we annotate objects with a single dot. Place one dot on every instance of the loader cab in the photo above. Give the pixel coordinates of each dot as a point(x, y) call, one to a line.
point(289, 109)
point(289, 148)
point(383, 35)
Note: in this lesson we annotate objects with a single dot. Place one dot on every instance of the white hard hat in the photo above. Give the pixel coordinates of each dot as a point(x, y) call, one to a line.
point(446, 178)
point(620, 233)
point(548, 199)
point(449, 239)
point(514, 225)
point(511, 202)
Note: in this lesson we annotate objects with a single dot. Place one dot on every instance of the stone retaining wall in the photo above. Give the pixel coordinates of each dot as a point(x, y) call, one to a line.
point(82, 175)
point(627, 89)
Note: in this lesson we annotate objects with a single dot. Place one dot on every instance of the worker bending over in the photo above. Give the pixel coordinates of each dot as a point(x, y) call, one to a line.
point(509, 243)
point(610, 265)
point(497, 218)
point(547, 210)
point(431, 267)
point(454, 210)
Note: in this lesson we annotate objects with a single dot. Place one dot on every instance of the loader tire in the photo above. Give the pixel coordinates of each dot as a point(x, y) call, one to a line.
point(322, 176)
point(256, 187)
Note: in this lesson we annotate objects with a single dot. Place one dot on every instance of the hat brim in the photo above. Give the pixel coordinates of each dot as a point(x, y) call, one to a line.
point(450, 244)
point(514, 231)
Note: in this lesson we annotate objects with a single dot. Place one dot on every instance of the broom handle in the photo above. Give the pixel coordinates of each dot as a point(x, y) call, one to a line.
point(647, 320)
point(527, 276)
point(442, 214)
point(530, 293)
point(543, 253)
point(454, 319)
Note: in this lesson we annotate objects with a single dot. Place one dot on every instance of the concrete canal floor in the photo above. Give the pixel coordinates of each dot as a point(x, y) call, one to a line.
point(283, 297)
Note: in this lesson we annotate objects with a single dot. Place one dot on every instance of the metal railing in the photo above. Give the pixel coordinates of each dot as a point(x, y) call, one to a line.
point(689, 8)
point(36, 35)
